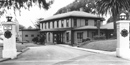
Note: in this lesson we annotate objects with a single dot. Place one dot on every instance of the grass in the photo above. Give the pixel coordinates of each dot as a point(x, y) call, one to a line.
point(105, 45)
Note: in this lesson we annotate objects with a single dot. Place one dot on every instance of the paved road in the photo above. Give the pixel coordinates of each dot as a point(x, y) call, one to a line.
point(46, 55)
point(59, 55)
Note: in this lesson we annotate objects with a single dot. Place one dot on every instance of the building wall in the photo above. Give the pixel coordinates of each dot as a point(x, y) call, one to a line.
point(51, 26)
point(65, 35)
point(29, 35)
point(80, 22)
point(49, 34)
point(55, 24)
point(75, 36)
point(46, 25)
point(41, 25)
point(91, 22)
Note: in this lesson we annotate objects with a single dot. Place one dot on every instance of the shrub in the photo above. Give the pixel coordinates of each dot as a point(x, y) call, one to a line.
point(87, 39)
point(35, 39)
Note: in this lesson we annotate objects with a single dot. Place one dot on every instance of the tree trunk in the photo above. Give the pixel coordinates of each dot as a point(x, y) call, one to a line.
point(98, 27)
point(115, 27)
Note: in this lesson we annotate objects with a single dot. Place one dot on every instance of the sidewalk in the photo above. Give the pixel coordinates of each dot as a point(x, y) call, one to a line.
point(21, 48)
point(18, 53)
point(91, 50)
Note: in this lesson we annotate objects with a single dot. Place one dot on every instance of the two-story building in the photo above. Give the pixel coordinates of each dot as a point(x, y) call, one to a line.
point(71, 27)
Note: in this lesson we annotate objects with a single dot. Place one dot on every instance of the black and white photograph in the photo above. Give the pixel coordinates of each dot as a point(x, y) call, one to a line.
point(64, 32)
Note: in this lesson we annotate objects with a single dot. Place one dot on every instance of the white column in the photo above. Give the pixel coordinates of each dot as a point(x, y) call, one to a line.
point(9, 44)
point(123, 46)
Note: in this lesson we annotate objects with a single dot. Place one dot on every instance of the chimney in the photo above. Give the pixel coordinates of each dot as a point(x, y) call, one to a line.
point(81, 9)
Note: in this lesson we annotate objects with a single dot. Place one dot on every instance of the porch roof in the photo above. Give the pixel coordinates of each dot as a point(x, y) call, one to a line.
point(107, 26)
point(85, 27)
point(56, 29)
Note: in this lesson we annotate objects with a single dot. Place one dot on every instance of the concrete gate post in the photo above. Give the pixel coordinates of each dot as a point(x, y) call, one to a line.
point(123, 46)
point(9, 42)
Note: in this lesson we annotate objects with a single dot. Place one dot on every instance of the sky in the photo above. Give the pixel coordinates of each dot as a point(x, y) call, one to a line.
point(28, 18)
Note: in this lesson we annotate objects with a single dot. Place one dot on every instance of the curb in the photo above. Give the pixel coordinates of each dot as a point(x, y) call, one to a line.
point(90, 50)
point(2, 60)
point(19, 53)
point(24, 50)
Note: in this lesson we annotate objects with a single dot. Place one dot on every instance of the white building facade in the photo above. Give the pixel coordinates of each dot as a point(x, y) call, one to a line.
point(71, 27)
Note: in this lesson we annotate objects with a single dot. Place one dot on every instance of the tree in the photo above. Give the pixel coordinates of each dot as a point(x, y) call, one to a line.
point(88, 6)
point(114, 7)
point(37, 24)
point(18, 4)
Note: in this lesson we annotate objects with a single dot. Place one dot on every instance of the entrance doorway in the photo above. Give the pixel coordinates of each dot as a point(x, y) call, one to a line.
point(58, 37)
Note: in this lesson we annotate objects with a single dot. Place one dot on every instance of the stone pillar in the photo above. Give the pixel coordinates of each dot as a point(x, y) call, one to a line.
point(123, 46)
point(9, 42)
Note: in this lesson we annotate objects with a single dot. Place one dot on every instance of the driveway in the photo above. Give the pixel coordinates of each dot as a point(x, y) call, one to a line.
point(60, 55)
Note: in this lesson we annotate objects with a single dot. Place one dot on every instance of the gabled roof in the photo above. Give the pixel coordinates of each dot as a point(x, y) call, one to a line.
point(74, 14)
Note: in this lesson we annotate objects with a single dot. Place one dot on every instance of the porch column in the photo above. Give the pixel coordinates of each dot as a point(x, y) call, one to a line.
point(72, 37)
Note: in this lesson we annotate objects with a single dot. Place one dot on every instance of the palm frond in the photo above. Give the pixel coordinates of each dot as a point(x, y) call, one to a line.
point(113, 6)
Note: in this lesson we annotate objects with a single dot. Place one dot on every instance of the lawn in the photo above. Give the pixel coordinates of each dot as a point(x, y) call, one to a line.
point(105, 45)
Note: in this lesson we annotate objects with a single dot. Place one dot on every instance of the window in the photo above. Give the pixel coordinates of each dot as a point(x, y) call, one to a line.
point(75, 22)
point(26, 35)
point(80, 36)
point(48, 25)
point(67, 23)
point(95, 23)
point(57, 24)
point(67, 36)
point(53, 24)
point(48, 36)
point(62, 23)
point(86, 22)
point(32, 35)
point(42, 25)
